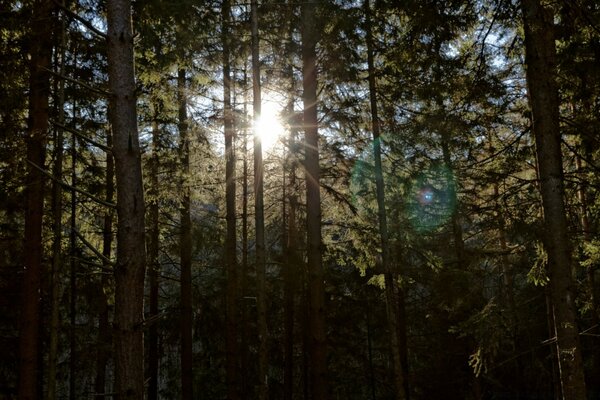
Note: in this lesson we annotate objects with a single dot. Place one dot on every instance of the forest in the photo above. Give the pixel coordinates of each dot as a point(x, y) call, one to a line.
point(314, 200)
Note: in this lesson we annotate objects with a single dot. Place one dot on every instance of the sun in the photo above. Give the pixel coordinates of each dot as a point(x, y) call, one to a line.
point(269, 126)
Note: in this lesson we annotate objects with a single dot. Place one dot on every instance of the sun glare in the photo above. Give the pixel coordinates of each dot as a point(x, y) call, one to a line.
point(269, 126)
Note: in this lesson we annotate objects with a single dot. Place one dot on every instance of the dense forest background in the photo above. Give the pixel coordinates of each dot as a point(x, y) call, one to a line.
point(327, 199)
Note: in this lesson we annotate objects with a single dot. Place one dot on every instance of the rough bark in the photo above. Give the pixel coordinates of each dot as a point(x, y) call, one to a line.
point(394, 304)
point(540, 62)
point(131, 255)
point(316, 285)
point(37, 131)
point(233, 392)
point(185, 247)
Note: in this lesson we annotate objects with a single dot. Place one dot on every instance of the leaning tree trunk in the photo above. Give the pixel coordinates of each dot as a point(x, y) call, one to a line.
point(37, 131)
point(131, 251)
point(540, 62)
point(391, 290)
point(316, 285)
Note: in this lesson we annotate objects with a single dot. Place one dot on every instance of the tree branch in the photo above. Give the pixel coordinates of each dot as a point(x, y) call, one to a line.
point(84, 21)
point(73, 188)
point(82, 136)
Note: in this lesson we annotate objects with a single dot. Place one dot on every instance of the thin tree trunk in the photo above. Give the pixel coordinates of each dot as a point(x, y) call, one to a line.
point(185, 245)
point(73, 275)
point(292, 259)
point(131, 255)
point(540, 62)
point(244, 272)
point(104, 333)
point(154, 266)
point(233, 392)
point(263, 356)
point(55, 286)
point(37, 131)
point(391, 290)
point(316, 285)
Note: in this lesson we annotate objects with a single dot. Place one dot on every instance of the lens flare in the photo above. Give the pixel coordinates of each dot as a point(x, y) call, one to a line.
point(432, 199)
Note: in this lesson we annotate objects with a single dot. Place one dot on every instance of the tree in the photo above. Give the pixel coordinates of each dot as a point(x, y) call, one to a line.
point(130, 266)
point(540, 62)
point(259, 217)
point(316, 288)
point(393, 294)
point(185, 246)
point(37, 132)
point(230, 190)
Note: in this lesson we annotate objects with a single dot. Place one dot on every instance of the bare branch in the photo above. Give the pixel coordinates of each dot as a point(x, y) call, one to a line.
point(84, 21)
point(82, 136)
point(73, 188)
point(92, 248)
point(80, 83)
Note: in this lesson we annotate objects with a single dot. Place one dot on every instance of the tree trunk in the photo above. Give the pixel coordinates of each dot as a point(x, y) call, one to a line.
point(104, 333)
point(292, 259)
point(185, 245)
point(244, 272)
point(316, 285)
point(37, 131)
point(73, 274)
point(233, 392)
point(55, 286)
point(154, 264)
point(540, 61)
point(263, 356)
point(391, 289)
point(131, 254)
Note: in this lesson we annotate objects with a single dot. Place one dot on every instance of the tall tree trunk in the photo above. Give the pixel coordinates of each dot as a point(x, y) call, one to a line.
point(131, 255)
point(391, 289)
point(263, 356)
point(292, 259)
point(37, 131)
point(185, 245)
point(316, 285)
point(73, 274)
point(57, 193)
point(540, 62)
point(233, 392)
point(104, 332)
point(154, 264)
point(244, 272)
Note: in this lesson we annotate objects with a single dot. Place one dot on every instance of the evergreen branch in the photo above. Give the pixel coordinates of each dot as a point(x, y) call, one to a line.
point(82, 136)
point(79, 18)
point(92, 248)
point(73, 188)
point(340, 198)
point(78, 82)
